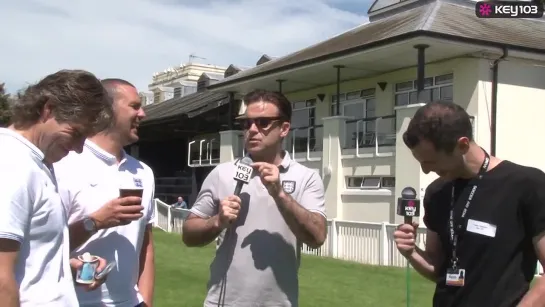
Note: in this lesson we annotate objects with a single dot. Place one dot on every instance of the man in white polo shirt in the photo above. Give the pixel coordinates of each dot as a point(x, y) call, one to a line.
point(89, 181)
point(49, 119)
point(257, 262)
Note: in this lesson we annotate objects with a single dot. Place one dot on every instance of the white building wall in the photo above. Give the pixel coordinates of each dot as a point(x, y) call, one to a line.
point(521, 104)
point(521, 109)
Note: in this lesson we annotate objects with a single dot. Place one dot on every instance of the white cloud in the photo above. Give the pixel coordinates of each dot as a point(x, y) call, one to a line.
point(132, 39)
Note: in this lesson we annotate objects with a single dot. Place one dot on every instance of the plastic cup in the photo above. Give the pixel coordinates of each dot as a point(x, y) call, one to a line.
point(125, 192)
point(86, 274)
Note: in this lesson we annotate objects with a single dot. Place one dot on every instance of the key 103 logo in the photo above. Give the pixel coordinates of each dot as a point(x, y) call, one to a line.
point(508, 9)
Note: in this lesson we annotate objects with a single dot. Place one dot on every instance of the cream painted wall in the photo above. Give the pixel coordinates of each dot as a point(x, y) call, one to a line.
point(367, 205)
point(377, 166)
point(466, 71)
point(521, 103)
point(521, 107)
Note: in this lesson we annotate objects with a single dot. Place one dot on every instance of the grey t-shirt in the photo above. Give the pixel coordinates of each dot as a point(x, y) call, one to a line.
point(257, 263)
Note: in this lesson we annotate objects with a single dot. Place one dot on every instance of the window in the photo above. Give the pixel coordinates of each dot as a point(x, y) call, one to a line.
point(177, 92)
point(369, 182)
point(189, 89)
point(435, 88)
point(157, 96)
point(202, 85)
point(361, 105)
point(303, 120)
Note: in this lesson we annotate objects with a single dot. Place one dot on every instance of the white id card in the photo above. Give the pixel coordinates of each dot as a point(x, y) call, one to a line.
point(482, 228)
point(456, 278)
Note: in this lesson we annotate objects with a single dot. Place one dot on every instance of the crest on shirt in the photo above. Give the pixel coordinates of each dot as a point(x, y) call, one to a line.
point(137, 182)
point(288, 186)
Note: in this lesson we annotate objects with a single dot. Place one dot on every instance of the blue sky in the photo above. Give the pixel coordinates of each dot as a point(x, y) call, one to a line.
point(132, 39)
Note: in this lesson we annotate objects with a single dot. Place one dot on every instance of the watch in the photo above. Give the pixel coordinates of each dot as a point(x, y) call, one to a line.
point(89, 225)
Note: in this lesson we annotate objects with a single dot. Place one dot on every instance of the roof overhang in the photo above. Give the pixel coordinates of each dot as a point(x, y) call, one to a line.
point(371, 60)
point(183, 107)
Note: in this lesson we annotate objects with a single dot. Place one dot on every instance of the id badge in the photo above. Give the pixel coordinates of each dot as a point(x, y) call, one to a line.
point(456, 278)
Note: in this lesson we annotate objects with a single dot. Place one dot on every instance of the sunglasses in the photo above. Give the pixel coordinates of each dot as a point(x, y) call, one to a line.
point(260, 122)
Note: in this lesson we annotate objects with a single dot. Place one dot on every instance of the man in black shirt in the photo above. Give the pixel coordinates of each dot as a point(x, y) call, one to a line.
point(485, 217)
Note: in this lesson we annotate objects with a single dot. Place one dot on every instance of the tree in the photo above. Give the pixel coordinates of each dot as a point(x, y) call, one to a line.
point(4, 106)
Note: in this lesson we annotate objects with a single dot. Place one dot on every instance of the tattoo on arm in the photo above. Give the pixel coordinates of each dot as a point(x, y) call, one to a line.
point(308, 227)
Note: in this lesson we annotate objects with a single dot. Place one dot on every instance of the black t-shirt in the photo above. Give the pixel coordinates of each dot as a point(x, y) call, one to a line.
point(499, 269)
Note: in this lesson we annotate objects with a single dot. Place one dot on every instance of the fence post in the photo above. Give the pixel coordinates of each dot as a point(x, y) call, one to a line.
point(333, 252)
point(383, 243)
point(169, 220)
point(156, 215)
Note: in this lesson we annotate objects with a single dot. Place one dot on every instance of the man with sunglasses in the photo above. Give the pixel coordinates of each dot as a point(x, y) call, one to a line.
point(281, 206)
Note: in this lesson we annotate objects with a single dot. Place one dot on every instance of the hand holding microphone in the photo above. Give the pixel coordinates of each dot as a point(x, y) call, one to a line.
point(405, 235)
point(228, 210)
point(229, 207)
point(405, 238)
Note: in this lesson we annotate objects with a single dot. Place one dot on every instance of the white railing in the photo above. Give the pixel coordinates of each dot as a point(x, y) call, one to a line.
point(169, 219)
point(305, 140)
point(205, 152)
point(368, 243)
point(372, 132)
point(301, 143)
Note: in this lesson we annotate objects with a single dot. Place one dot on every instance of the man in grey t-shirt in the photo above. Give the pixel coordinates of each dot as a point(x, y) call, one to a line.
point(282, 205)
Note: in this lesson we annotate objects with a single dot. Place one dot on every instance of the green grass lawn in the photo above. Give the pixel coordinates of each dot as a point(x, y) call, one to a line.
point(182, 274)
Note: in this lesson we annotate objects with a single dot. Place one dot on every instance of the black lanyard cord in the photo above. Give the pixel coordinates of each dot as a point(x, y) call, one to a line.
point(453, 230)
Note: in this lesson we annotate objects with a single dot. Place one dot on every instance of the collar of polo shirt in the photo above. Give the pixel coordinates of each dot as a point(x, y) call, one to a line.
point(37, 154)
point(105, 156)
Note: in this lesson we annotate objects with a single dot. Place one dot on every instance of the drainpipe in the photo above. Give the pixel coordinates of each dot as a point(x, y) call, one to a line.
point(280, 81)
point(494, 102)
point(338, 107)
point(420, 72)
point(230, 111)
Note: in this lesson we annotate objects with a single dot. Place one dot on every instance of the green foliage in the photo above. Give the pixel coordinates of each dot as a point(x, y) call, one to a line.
point(4, 106)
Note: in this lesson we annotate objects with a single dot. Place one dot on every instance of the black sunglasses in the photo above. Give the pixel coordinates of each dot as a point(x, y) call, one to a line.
point(260, 122)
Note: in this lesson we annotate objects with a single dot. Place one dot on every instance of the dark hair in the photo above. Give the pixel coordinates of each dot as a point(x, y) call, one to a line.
point(276, 98)
point(111, 85)
point(76, 96)
point(440, 122)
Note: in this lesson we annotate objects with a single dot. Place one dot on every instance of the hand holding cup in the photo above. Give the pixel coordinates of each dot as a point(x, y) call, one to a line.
point(120, 211)
point(85, 268)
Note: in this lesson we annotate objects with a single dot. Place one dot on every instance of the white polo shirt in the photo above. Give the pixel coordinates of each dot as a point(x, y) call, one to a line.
point(32, 214)
point(89, 180)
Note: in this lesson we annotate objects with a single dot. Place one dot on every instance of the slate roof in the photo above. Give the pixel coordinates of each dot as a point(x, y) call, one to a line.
point(190, 105)
point(442, 19)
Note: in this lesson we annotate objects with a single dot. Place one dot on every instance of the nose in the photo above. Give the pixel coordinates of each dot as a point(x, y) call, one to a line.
point(253, 128)
point(141, 114)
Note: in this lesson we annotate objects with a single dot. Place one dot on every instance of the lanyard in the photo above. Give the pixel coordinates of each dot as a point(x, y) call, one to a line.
point(453, 232)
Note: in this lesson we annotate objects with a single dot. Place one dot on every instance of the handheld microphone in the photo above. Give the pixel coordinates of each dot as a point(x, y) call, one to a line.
point(407, 205)
point(243, 173)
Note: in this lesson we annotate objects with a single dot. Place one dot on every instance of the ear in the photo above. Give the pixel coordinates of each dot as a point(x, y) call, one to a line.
point(47, 111)
point(463, 145)
point(285, 129)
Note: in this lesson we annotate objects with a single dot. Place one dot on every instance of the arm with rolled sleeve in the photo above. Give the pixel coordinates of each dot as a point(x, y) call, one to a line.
point(533, 213)
point(202, 225)
point(16, 203)
point(306, 219)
